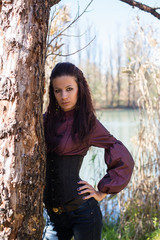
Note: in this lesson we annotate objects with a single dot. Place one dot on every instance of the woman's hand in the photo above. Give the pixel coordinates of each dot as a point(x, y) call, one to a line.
point(87, 188)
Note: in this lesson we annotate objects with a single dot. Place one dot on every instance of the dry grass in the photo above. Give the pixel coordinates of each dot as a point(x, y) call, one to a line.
point(139, 203)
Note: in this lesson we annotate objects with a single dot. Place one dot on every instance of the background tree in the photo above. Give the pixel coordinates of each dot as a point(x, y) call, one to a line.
point(23, 32)
point(59, 20)
point(143, 69)
point(59, 40)
point(118, 67)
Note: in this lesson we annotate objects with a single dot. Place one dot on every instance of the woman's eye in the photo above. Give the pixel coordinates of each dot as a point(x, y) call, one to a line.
point(69, 89)
point(56, 90)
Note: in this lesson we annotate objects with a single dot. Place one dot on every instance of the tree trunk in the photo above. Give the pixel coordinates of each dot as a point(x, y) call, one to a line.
point(129, 90)
point(119, 60)
point(23, 31)
point(107, 90)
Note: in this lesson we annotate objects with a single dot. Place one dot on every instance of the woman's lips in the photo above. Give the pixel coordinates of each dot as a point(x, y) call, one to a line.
point(65, 103)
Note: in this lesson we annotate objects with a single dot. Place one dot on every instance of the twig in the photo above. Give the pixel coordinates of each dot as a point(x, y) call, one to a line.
point(157, 8)
point(80, 35)
point(79, 15)
point(143, 7)
point(69, 54)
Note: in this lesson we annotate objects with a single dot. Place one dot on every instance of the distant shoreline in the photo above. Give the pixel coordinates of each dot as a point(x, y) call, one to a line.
point(116, 108)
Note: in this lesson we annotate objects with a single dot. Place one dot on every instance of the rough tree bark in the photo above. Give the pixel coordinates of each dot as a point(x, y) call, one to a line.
point(23, 31)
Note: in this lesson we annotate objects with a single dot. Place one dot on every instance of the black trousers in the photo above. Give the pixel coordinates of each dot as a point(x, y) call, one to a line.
point(84, 223)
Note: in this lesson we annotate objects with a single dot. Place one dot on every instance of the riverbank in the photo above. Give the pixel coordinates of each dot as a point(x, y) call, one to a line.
point(112, 232)
point(139, 217)
point(116, 108)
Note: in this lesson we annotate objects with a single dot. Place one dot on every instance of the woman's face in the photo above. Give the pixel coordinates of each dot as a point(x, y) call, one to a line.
point(66, 92)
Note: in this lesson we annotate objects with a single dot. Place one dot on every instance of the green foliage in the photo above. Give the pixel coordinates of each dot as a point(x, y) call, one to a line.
point(109, 232)
point(154, 235)
point(93, 158)
point(140, 220)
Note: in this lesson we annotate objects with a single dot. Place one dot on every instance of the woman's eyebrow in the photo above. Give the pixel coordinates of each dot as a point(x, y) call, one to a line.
point(56, 87)
point(65, 86)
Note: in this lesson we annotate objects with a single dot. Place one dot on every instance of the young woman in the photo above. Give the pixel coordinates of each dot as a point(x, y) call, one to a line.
point(71, 127)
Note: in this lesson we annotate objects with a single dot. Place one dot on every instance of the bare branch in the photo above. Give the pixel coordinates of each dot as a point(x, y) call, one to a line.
point(65, 55)
point(62, 33)
point(79, 15)
point(49, 27)
point(157, 8)
point(76, 36)
point(143, 7)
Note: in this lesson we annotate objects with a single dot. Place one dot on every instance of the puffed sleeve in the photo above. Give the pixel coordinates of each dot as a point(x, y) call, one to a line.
point(118, 159)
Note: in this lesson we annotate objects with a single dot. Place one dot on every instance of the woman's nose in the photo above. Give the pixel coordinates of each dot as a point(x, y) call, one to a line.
point(64, 94)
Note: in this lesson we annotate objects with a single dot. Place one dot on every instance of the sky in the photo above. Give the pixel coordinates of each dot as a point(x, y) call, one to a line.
point(110, 18)
point(106, 14)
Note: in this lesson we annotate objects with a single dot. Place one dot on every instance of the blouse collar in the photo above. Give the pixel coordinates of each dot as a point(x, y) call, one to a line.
point(69, 114)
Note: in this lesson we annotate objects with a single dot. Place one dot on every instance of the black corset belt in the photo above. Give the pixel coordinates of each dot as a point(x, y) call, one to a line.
point(62, 175)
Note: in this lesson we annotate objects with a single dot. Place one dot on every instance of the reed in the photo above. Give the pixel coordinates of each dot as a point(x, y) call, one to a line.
point(140, 214)
point(139, 203)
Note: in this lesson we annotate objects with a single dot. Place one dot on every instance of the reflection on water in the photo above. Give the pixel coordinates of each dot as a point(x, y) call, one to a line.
point(122, 124)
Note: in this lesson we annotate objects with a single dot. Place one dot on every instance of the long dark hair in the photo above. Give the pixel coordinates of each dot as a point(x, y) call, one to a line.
point(84, 114)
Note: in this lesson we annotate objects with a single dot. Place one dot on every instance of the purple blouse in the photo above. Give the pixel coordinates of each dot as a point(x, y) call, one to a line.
point(118, 159)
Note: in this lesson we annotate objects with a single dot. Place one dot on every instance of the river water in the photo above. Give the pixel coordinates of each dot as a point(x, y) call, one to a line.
point(122, 124)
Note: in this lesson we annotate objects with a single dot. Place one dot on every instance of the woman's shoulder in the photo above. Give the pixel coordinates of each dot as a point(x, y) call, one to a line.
point(99, 124)
point(99, 128)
